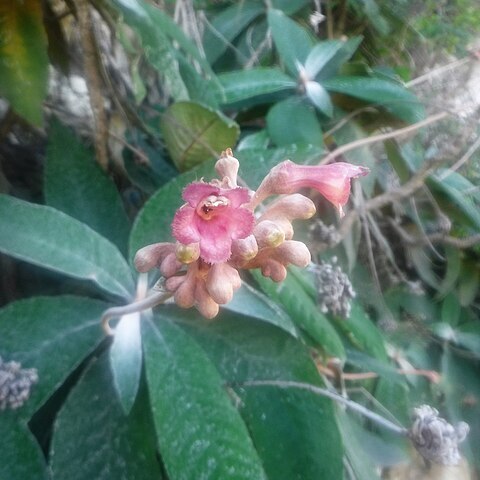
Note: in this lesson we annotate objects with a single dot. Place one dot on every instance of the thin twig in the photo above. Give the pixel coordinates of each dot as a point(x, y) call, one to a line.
point(439, 70)
point(145, 304)
point(356, 407)
point(382, 137)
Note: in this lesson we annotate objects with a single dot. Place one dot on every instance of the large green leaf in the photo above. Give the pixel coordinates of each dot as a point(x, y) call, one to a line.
point(21, 456)
point(293, 43)
point(93, 438)
point(392, 96)
point(326, 58)
point(293, 121)
point(126, 359)
point(51, 334)
point(23, 57)
point(49, 238)
point(250, 302)
point(256, 83)
point(76, 185)
point(294, 432)
point(319, 97)
point(194, 133)
point(303, 311)
point(225, 26)
point(193, 415)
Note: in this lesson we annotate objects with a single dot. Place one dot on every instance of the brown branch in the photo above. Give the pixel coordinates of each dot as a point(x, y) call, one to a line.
point(94, 80)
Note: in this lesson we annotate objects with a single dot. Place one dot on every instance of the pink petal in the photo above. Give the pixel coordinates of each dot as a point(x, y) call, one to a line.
point(184, 227)
point(195, 192)
point(237, 196)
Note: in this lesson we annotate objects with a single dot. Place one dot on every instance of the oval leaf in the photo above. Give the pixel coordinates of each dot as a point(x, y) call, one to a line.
point(93, 438)
point(319, 97)
point(293, 43)
point(23, 57)
point(49, 238)
point(292, 121)
point(193, 415)
point(194, 133)
point(257, 82)
point(76, 185)
point(51, 334)
point(392, 96)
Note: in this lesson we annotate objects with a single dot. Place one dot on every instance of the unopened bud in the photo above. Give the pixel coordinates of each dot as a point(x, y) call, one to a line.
point(151, 256)
point(204, 302)
point(227, 167)
point(268, 234)
point(244, 250)
point(222, 280)
point(187, 253)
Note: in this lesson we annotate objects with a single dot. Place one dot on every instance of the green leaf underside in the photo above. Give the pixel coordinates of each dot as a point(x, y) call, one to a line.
point(23, 57)
point(47, 237)
point(395, 98)
point(246, 84)
point(194, 133)
point(126, 359)
point(104, 444)
point(303, 312)
point(193, 415)
point(51, 334)
point(245, 350)
point(21, 456)
point(76, 185)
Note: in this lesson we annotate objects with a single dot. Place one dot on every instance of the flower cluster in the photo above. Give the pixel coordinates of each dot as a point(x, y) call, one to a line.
point(15, 384)
point(434, 438)
point(223, 228)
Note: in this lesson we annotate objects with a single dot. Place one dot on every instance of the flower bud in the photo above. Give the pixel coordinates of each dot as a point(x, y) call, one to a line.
point(274, 270)
point(291, 207)
point(187, 253)
point(204, 302)
point(268, 234)
point(227, 167)
point(152, 255)
point(243, 250)
point(222, 280)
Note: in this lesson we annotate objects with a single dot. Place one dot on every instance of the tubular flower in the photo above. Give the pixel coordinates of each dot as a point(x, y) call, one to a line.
point(332, 181)
point(218, 233)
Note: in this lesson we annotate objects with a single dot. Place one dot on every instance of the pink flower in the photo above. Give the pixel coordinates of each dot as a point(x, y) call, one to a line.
point(332, 181)
point(213, 217)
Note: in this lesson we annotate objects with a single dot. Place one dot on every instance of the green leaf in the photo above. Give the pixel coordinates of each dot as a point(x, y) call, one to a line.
point(319, 97)
point(227, 25)
point(194, 133)
point(326, 58)
point(295, 433)
point(397, 160)
point(76, 185)
point(246, 85)
point(292, 121)
point(21, 455)
point(468, 283)
point(254, 140)
point(51, 334)
point(363, 333)
point(293, 43)
point(250, 302)
point(306, 443)
point(303, 312)
point(23, 57)
point(145, 20)
point(193, 415)
point(49, 238)
point(392, 96)
point(451, 309)
point(289, 6)
point(126, 359)
point(360, 463)
point(93, 438)
point(459, 202)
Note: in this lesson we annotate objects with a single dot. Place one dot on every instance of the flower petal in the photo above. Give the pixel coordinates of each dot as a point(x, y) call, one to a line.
point(195, 192)
point(184, 226)
point(236, 196)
